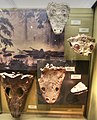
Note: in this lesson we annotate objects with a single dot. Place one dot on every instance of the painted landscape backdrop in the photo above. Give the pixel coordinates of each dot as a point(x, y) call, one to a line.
point(26, 35)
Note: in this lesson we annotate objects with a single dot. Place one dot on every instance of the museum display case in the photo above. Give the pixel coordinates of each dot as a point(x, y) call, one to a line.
point(46, 60)
point(0, 98)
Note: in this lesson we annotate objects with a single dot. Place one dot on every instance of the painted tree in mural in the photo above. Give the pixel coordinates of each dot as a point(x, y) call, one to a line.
point(6, 29)
point(25, 14)
point(28, 14)
point(41, 18)
point(39, 15)
point(42, 21)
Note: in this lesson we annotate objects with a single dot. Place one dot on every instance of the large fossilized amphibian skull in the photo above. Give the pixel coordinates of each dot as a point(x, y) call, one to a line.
point(58, 14)
point(50, 82)
point(82, 44)
point(16, 88)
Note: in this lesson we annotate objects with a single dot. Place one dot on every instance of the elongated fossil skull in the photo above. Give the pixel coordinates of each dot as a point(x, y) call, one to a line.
point(16, 88)
point(82, 44)
point(50, 82)
point(58, 14)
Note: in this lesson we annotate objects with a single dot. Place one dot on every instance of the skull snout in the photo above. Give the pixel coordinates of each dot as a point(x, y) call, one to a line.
point(57, 30)
point(16, 114)
point(50, 100)
point(15, 108)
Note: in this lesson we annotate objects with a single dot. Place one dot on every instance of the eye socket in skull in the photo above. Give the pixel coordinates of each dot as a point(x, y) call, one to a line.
point(43, 89)
point(53, 11)
point(56, 88)
point(77, 46)
point(91, 47)
point(8, 92)
point(64, 15)
point(20, 92)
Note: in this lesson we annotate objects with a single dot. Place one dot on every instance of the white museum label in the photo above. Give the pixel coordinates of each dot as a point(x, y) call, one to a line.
point(75, 22)
point(70, 68)
point(32, 106)
point(83, 30)
point(75, 76)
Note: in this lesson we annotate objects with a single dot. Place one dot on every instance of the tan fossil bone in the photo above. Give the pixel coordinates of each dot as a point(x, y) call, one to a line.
point(50, 82)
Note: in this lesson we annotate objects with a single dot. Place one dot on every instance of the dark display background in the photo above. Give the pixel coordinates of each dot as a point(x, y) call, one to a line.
point(66, 97)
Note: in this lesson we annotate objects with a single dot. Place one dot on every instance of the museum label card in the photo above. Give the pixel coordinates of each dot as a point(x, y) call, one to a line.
point(83, 30)
point(75, 76)
point(75, 22)
point(70, 68)
point(32, 106)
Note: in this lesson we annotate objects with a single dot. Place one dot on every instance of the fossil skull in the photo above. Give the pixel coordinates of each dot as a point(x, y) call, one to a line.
point(58, 14)
point(16, 88)
point(82, 44)
point(50, 82)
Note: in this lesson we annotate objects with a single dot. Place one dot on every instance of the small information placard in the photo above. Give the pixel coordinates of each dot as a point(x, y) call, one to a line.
point(32, 106)
point(70, 68)
point(75, 22)
point(76, 76)
point(83, 30)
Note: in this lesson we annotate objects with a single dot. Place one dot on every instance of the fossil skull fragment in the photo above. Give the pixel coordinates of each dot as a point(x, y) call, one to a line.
point(82, 44)
point(16, 86)
point(58, 14)
point(79, 88)
point(50, 82)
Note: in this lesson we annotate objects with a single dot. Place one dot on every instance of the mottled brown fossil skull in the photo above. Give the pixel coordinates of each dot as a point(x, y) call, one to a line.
point(58, 14)
point(50, 82)
point(82, 44)
point(16, 88)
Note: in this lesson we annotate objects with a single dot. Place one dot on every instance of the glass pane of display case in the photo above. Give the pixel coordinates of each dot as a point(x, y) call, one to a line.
point(37, 55)
point(0, 98)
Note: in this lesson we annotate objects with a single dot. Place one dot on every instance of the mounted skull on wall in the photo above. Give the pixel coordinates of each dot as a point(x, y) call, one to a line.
point(16, 88)
point(82, 44)
point(58, 14)
point(50, 82)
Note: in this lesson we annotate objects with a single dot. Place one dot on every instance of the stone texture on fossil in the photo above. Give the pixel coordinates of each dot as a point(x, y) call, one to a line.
point(82, 44)
point(50, 82)
point(58, 14)
point(79, 88)
point(16, 88)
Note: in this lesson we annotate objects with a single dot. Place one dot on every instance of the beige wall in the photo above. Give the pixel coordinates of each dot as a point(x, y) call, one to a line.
point(92, 115)
point(86, 17)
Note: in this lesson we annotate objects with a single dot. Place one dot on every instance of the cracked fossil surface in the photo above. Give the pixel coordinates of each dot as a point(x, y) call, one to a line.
point(50, 82)
point(58, 14)
point(82, 44)
point(16, 86)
